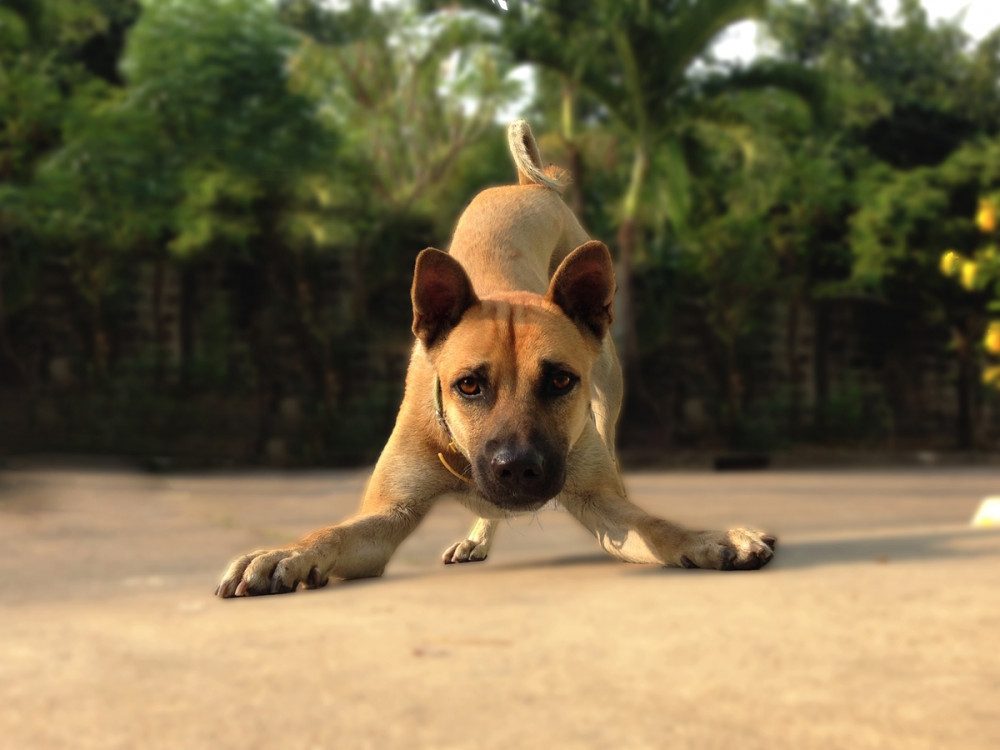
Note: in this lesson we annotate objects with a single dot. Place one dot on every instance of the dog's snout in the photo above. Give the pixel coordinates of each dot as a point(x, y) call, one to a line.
point(520, 469)
point(520, 473)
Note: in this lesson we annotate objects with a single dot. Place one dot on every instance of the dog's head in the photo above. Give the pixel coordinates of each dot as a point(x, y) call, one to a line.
point(514, 370)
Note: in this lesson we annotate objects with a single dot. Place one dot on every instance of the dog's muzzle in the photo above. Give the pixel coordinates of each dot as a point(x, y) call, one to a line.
point(520, 476)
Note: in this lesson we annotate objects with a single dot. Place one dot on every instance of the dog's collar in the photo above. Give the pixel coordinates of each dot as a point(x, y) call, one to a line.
point(452, 444)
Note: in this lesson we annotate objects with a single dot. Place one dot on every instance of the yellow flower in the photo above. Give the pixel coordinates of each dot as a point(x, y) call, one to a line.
point(991, 376)
point(950, 262)
point(992, 339)
point(986, 217)
point(969, 269)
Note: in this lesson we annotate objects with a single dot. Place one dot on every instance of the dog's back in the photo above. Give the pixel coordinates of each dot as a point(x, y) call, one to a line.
point(514, 237)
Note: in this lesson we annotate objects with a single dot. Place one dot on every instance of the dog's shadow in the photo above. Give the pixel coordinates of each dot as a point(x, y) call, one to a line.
point(588, 559)
point(954, 543)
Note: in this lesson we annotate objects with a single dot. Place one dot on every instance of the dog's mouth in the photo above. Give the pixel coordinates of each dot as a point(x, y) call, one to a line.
point(514, 503)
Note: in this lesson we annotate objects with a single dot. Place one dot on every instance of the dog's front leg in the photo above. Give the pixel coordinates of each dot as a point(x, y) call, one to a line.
point(359, 547)
point(624, 530)
point(403, 487)
point(476, 546)
point(630, 534)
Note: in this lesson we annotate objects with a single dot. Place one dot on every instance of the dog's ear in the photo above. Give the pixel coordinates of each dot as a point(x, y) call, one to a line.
point(584, 287)
point(441, 294)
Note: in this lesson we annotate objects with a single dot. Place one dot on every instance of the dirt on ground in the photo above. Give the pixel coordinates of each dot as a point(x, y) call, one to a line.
point(876, 626)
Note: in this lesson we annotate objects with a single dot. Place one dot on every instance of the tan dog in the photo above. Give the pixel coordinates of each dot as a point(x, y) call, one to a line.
point(511, 399)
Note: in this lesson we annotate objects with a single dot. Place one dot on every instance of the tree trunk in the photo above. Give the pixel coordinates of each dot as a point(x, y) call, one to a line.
point(314, 346)
point(966, 374)
point(734, 392)
point(9, 361)
point(187, 323)
point(821, 369)
point(159, 271)
point(627, 240)
point(794, 372)
point(98, 337)
point(574, 157)
point(577, 175)
point(624, 318)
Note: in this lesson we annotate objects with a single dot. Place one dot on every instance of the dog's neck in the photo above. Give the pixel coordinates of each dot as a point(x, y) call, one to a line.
point(443, 422)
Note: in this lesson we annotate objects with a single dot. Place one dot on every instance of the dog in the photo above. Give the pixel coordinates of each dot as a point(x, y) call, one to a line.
point(512, 395)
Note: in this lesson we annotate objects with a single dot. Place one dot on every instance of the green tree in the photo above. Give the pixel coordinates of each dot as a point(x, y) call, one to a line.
point(52, 52)
point(898, 237)
point(279, 145)
point(636, 60)
point(980, 271)
point(411, 98)
point(204, 150)
point(911, 93)
point(773, 193)
point(906, 101)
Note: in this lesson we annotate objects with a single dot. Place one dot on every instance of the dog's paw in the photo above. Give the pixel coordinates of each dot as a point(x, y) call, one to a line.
point(279, 571)
point(467, 550)
point(737, 549)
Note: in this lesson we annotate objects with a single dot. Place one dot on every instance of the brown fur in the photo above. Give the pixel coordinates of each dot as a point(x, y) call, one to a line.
point(518, 309)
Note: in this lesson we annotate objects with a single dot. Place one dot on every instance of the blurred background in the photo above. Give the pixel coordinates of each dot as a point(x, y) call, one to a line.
point(210, 209)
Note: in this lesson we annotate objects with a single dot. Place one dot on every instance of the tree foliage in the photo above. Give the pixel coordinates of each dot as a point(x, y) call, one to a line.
point(226, 197)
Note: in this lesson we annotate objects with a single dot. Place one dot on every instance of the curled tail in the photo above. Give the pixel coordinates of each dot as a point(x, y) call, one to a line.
point(529, 162)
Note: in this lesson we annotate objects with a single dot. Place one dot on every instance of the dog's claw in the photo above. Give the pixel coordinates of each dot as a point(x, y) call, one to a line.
point(225, 589)
point(728, 558)
point(315, 580)
point(279, 587)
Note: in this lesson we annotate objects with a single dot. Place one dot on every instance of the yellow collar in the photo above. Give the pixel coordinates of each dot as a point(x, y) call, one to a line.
point(452, 445)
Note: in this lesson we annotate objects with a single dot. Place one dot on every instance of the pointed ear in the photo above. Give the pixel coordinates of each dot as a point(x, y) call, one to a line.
point(441, 294)
point(584, 287)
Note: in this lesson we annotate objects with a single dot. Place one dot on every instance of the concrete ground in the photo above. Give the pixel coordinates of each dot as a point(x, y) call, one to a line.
point(877, 625)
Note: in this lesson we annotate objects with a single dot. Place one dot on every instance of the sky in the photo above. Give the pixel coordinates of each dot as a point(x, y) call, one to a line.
point(739, 42)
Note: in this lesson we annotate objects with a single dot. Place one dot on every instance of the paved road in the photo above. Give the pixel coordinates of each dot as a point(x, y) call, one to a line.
point(877, 625)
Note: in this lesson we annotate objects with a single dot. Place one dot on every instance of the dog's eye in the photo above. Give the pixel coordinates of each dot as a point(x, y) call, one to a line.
point(468, 387)
point(561, 381)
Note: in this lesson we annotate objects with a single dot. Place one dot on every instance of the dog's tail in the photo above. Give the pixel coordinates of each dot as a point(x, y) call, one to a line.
point(529, 162)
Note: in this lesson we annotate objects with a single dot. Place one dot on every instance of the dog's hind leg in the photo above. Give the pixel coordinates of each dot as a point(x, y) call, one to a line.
point(476, 546)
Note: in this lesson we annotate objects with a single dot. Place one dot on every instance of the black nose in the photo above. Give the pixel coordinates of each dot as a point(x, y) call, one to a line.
point(519, 469)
